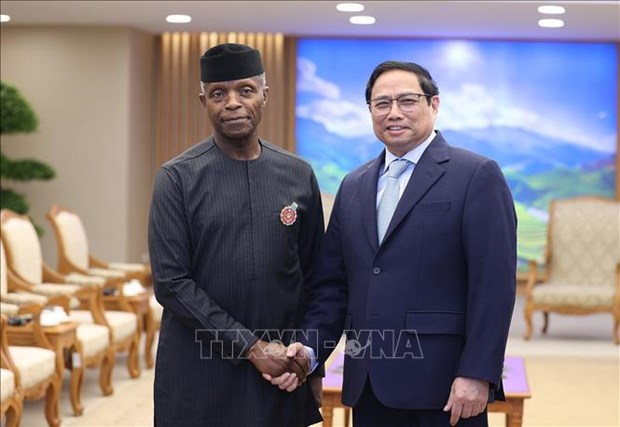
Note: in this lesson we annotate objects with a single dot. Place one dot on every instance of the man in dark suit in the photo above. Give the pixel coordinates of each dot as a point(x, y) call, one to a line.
point(425, 296)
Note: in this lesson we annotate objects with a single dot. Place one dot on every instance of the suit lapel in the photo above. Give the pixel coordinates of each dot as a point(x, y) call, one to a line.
point(426, 173)
point(368, 199)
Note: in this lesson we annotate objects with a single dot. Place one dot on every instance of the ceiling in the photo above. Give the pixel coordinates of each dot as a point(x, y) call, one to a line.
point(512, 20)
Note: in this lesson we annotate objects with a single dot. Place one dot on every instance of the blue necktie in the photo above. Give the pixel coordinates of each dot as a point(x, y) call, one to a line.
point(390, 197)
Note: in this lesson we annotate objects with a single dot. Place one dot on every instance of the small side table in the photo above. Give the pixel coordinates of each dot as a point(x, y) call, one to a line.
point(516, 390)
point(64, 342)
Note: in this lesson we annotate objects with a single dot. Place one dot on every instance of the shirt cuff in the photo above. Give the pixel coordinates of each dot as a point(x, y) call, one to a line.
point(313, 362)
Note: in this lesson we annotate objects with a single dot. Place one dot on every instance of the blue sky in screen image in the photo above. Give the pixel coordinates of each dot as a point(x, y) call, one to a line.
point(545, 111)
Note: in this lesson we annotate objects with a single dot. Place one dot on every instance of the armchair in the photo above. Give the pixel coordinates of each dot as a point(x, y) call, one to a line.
point(11, 401)
point(582, 262)
point(74, 254)
point(100, 333)
point(34, 372)
point(74, 258)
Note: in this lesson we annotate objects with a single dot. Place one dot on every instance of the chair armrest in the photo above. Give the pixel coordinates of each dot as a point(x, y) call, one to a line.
point(547, 271)
point(93, 261)
point(118, 299)
point(6, 361)
point(37, 330)
point(532, 278)
point(91, 298)
point(16, 283)
point(65, 266)
point(52, 276)
point(62, 300)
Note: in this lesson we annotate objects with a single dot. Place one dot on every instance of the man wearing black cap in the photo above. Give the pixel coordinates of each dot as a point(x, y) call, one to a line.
point(235, 226)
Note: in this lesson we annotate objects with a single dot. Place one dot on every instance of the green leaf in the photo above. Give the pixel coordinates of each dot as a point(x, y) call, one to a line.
point(16, 115)
point(24, 169)
point(14, 201)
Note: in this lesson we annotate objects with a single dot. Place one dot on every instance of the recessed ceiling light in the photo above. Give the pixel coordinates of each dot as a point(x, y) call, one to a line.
point(551, 23)
point(349, 7)
point(178, 19)
point(551, 9)
point(362, 20)
point(5, 18)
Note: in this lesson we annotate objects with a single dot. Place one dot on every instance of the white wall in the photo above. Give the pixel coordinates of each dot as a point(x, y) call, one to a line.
point(91, 88)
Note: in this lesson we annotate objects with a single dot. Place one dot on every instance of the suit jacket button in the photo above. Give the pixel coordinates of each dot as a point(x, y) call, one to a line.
point(376, 271)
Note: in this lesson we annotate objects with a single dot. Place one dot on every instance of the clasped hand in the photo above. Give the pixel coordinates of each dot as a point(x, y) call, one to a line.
point(290, 379)
point(279, 364)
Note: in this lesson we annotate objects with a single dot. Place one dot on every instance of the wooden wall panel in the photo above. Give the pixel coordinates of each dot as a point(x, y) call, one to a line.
point(181, 119)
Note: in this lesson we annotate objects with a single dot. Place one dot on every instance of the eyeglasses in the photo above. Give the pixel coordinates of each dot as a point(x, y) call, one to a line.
point(406, 103)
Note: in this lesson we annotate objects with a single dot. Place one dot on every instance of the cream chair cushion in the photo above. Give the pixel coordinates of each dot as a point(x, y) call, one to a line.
point(8, 309)
point(34, 364)
point(94, 338)
point(573, 295)
point(7, 384)
point(53, 289)
point(123, 324)
point(74, 238)
point(20, 298)
point(105, 273)
point(84, 280)
point(21, 237)
point(127, 267)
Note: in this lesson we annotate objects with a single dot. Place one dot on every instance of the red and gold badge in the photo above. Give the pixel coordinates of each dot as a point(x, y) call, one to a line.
point(288, 214)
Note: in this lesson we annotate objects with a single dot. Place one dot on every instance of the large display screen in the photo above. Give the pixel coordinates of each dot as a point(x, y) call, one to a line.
point(545, 111)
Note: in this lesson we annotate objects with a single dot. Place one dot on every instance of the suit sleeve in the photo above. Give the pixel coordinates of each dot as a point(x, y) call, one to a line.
point(489, 236)
point(328, 293)
point(170, 251)
point(310, 242)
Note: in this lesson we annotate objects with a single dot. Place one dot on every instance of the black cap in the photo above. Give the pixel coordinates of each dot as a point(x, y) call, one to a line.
point(230, 61)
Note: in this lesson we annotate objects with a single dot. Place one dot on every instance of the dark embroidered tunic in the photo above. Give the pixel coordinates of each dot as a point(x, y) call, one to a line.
point(228, 271)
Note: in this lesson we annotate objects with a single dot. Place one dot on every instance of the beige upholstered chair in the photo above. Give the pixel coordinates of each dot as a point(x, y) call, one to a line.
point(11, 301)
point(11, 401)
point(74, 254)
point(74, 258)
point(100, 332)
point(582, 262)
point(34, 370)
point(93, 341)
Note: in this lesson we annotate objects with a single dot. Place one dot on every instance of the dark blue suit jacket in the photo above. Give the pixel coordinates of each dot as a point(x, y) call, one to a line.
point(435, 299)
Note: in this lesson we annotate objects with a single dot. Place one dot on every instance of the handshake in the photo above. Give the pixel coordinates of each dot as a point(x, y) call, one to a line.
point(285, 367)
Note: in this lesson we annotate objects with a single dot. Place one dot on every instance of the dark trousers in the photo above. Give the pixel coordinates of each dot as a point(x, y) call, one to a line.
point(369, 412)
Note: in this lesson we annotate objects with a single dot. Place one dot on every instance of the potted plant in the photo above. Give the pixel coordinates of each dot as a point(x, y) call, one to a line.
point(16, 116)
